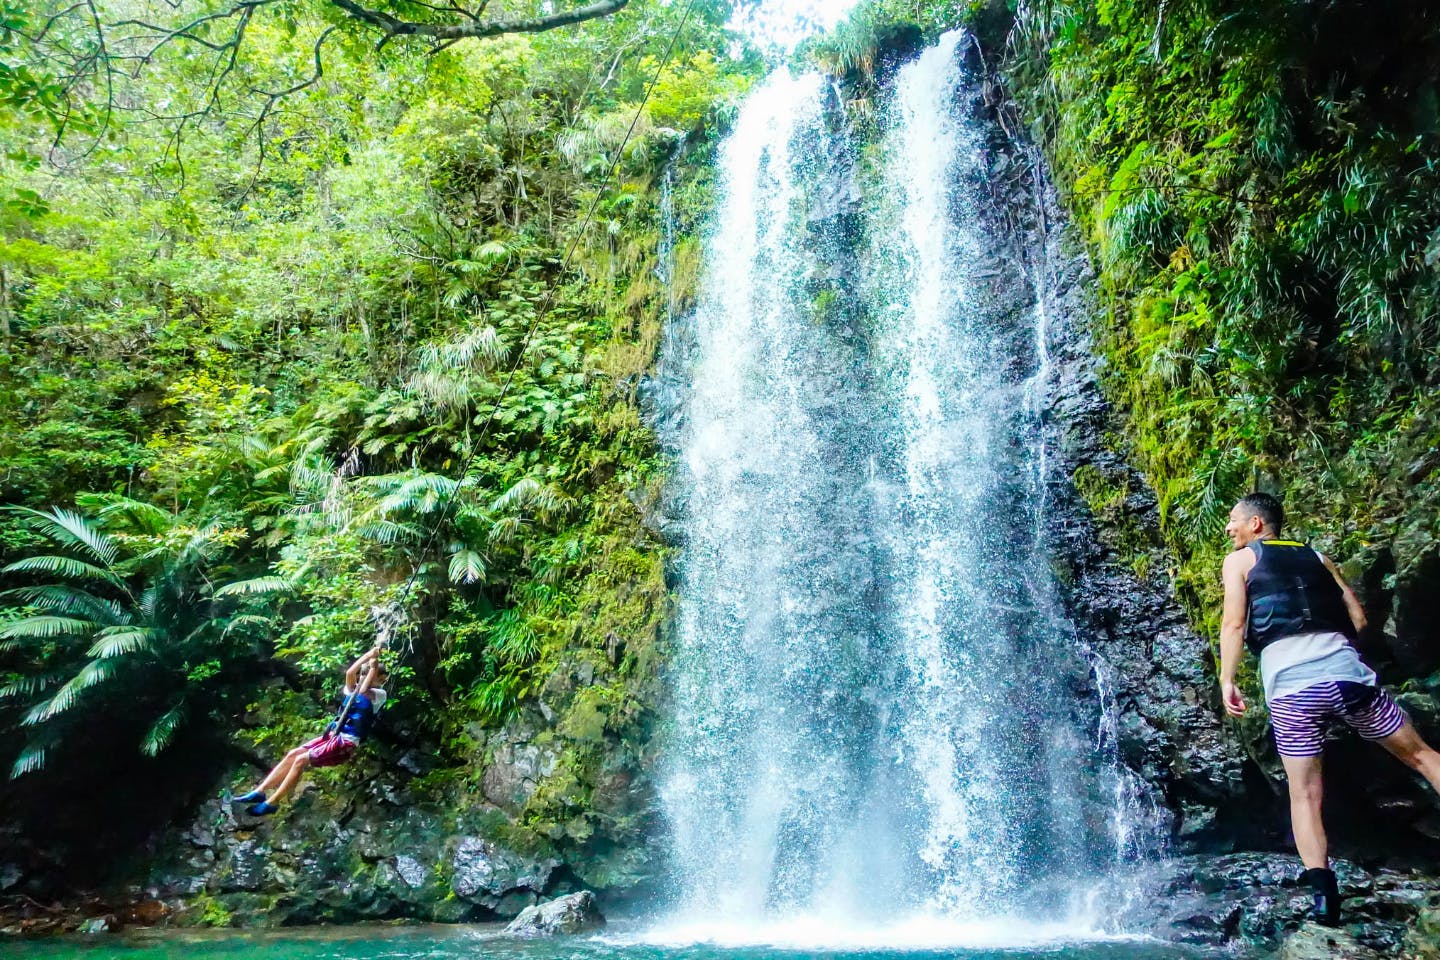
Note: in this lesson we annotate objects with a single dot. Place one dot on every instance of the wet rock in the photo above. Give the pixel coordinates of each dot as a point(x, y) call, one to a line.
point(516, 765)
point(1256, 899)
point(489, 876)
point(246, 867)
point(106, 924)
point(576, 913)
point(472, 868)
point(1202, 919)
point(411, 871)
point(1314, 942)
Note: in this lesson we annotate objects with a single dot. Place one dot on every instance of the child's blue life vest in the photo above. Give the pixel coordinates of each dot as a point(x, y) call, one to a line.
point(359, 720)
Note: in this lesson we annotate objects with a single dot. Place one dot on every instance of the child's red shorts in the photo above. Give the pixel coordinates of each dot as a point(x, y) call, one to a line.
point(331, 750)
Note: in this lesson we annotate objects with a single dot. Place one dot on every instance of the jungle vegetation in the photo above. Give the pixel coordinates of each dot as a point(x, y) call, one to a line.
point(308, 312)
point(1257, 184)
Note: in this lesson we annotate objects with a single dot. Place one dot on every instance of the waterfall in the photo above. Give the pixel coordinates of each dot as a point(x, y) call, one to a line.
point(882, 720)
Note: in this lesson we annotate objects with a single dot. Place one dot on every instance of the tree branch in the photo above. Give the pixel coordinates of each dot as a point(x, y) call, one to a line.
point(473, 26)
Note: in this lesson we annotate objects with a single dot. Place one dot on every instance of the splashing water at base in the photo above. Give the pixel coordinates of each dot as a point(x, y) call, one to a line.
point(884, 729)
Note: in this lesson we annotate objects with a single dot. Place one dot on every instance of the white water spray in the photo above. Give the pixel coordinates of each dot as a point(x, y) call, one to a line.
point(882, 722)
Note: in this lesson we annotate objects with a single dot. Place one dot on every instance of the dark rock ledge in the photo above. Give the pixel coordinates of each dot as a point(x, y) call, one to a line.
point(1253, 900)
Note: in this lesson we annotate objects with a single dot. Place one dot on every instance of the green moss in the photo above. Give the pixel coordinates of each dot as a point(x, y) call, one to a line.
point(207, 911)
point(1254, 196)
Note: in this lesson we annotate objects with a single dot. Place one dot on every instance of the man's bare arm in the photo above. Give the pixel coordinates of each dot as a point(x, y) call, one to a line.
point(1352, 602)
point(1232, 628)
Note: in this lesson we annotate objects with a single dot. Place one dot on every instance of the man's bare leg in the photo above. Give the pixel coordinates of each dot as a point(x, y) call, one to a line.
point(1415, 753)
point(1306, 794)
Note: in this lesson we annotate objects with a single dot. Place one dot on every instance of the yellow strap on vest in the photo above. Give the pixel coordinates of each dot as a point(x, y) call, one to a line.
point(1282, 543)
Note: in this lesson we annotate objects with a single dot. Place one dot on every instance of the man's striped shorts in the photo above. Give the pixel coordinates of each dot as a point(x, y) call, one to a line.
point(1300, 719)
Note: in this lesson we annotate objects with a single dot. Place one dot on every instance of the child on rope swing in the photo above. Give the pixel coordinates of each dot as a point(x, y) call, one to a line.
point(362, 697)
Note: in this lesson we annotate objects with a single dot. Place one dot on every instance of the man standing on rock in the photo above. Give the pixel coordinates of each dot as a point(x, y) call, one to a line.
point(1290, 606)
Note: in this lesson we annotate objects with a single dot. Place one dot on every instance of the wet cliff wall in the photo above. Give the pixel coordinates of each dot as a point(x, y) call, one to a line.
point(1247, 183)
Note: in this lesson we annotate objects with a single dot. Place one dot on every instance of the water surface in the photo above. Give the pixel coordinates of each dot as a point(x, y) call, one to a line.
point(480, 943)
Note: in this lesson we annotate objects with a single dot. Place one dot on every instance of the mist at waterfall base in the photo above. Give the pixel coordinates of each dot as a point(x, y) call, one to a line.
point(884, 732)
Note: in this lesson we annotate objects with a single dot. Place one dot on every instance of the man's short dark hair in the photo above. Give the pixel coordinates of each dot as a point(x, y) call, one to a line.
point(1268, 508)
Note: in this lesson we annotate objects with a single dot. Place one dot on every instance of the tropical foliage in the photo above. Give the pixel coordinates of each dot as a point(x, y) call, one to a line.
point(271, 364)
point(1258, 184)
point(133, 613)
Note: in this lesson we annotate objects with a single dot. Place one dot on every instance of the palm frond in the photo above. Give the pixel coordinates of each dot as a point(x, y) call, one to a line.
point(150, 602)
point(467, 566)
point(32, 758)
point(247, 620)
point(30, 685)
point(94, 672)
point(118, 641)
point(61, 566)
point(47, 626)
point(72, 600)
point(531, 493)
point(421, 492)
point(141, 516)
point(259, 586)
point(202, 544)
point(68, 527)
point(516, 498)
point(506, 529)
point(388, 532)
point(162, 731)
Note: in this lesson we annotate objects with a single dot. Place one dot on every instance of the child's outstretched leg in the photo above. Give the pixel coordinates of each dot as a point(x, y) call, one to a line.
point(274, 778)
point(295, 769)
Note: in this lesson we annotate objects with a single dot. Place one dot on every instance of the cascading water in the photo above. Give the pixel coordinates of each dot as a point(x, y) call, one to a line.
point(880, 713)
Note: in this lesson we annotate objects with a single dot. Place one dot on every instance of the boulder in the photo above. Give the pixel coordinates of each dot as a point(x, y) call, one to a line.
point(576, 913)
point(1314, 942)
point(106, 924)
point(487, 875)
point(1255, 900)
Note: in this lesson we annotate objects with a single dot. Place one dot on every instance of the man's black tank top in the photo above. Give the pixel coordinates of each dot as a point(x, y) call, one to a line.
point(1290, 592)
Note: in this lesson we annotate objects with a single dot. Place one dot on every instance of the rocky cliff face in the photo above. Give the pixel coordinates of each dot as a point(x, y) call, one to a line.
point(1220, 781)
point(375, 840)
